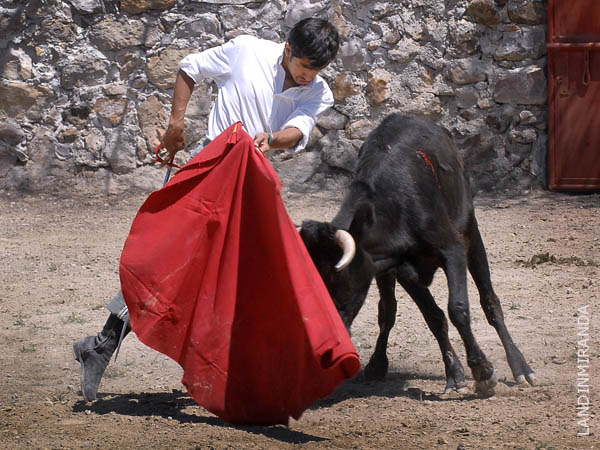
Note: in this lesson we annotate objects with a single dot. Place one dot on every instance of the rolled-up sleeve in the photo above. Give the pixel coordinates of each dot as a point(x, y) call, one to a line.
point(213, 63)
point(305, 115)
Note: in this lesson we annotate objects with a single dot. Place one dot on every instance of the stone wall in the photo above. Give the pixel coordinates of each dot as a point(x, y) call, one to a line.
point(85, 85)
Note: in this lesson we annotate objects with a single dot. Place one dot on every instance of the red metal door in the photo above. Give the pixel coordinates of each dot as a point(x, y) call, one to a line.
point(574, 20)
point(574, 88)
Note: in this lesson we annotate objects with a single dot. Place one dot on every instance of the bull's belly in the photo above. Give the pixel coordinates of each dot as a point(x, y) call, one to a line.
point(418, 270)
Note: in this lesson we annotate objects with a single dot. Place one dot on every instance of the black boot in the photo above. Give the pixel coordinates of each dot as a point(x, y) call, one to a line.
point(94, 352)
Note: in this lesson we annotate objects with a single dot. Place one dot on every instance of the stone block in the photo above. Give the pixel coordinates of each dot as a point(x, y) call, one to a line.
point(467, 71)
point(522, 86)
point(521, 45)
point(114, 35)
point(484, 12)
point(22, 100)
point(162, 69)
point(140, 6)
point(378, 82)
point(86, 7)
point(531, 12)
point(112, 109)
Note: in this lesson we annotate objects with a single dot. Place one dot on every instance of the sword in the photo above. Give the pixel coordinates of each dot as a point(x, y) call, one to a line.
point(167, 175)
point(169, 164)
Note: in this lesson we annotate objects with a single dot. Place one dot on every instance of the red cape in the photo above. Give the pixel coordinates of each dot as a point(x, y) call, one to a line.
point(216, 276)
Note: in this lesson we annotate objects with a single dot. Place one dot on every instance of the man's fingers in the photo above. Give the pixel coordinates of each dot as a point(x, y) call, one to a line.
point(164, 157)
point(263, 148)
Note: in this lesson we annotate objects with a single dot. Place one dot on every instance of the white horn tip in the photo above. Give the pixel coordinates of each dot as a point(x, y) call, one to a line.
point(346, 242)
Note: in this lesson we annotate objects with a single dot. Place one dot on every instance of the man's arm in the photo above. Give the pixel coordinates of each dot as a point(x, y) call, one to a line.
point(173, 139)
point(286, 138)
point(297, 127)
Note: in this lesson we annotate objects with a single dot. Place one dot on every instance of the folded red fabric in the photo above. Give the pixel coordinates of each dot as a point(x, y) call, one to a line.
point(216, 276)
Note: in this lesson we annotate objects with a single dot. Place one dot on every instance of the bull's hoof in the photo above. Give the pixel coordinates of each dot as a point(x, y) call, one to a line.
point(530, 378)
point(375, 372)
point(485, 388)
point(455, 384)
point(457, 387)
point(455, 377)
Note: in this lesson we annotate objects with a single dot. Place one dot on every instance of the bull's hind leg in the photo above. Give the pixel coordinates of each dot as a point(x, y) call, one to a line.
point(455, 266)
point(436, 320)
point(378, 364)
point(479, 268)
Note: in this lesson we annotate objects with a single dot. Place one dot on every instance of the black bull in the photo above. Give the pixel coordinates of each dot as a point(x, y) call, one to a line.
point(410, 212)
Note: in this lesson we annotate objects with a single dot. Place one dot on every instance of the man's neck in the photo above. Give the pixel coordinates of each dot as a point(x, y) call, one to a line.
point(289, 81)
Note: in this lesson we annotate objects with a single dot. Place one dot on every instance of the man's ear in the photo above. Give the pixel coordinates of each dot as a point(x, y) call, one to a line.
point(363, 221)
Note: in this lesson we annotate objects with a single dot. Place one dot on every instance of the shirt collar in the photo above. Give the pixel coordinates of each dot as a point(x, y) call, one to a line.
point(281, 54)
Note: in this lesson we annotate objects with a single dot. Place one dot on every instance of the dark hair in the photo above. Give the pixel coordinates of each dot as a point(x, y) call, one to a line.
point(314, 39)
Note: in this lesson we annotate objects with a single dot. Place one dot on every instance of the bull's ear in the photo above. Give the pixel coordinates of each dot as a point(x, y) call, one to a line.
point(363, 221)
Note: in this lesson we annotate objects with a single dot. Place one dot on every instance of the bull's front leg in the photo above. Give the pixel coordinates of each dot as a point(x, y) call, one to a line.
point(377, 367)
point(436, 320)
point(455, 266)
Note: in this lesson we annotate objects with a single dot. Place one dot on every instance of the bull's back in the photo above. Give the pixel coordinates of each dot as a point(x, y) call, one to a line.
point(410, 165)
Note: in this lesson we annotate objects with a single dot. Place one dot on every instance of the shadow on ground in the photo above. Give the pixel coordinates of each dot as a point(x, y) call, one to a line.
point(171, 405)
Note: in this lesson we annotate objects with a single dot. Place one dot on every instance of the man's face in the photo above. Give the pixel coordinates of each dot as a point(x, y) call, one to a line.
point(300, 69)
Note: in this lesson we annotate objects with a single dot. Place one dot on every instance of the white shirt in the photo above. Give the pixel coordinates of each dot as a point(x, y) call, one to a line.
point(250, 78)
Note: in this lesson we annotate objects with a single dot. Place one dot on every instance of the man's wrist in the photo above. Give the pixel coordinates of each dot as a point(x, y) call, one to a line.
point(176, 121)
point(271, 139)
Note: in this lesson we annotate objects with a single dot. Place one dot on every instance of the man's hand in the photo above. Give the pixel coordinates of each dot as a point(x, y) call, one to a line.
point(173, 140)
point(263, 141)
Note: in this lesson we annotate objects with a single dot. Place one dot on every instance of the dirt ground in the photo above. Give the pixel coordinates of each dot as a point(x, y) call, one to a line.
point(59, 260)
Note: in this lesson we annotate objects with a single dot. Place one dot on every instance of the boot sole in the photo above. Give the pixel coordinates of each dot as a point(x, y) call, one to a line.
point(79, 359)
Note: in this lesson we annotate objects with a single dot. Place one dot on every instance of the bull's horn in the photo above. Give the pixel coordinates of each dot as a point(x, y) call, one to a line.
point(346, 242)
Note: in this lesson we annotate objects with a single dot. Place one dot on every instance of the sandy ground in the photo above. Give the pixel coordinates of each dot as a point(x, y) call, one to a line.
point(59, 260)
